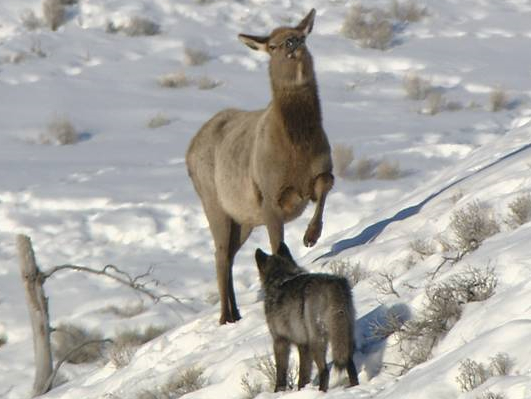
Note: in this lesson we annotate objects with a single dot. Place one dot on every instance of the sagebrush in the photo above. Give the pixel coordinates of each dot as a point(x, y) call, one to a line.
point(60, 131)
point(472, 374)
point(344, 268)
point(472, 225)
point(181, 383)
point(520, 210)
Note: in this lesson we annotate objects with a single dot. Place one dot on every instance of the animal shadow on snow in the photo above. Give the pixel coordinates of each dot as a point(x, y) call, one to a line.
point(372, 346)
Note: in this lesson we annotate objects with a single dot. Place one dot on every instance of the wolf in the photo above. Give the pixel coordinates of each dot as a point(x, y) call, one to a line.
point(307, 310)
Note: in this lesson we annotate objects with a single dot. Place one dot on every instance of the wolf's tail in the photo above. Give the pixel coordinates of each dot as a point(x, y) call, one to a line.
point(341, 333)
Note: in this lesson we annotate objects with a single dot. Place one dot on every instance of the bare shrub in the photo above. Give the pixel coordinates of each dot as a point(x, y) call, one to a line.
point(158, 120)
point(206, 83)
point(342, 157)
point(141, 26)
point(472, 225)
point(498, 100)
point(490, 395)
point(67, 337)
point(29, 20)
point(370, 28)
point(176, 80)
point(387, 170)
point(407, 11)
point(60, 131)
point(424, 248)
point(471, 375)
point(363, 168)
point(416, 87)
point(195, 57)
point(520, 210)
point(391, 323)
point(500, 364)
point(353, 273)
point(384, 284)
point(443, 309)
point(251, 388)
point(266, 366)
point(54, 13)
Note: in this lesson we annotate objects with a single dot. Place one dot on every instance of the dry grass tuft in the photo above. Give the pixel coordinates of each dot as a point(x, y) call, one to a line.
point(176, 80)
point(67, 337)
point(416, 87)
point(60, 131)
point(195, 57)
point(126, 343)
point(158, 120)
point(54, 13)
point(206, 83)
point(29, 20)
point(342, 157)
point(407, 11)
point(353, 273)
point(369, 27)
point(387, 170)
point(498, 100)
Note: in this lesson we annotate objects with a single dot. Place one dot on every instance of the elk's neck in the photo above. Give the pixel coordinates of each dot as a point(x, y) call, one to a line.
point(298, 109)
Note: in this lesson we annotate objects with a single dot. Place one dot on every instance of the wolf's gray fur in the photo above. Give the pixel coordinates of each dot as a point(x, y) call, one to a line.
point(307, 310)
point(262, 167)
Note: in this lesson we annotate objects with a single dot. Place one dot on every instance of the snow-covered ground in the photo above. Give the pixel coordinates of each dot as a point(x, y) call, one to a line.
point(122, 196)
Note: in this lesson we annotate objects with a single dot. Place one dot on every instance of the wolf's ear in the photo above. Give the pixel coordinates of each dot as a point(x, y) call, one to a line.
point(260, 257)
point(283, 251)
point(306, 25)
point(255, 42)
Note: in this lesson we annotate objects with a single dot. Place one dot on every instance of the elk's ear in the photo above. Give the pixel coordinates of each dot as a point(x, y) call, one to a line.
point(306, 25)
point(255, 42)
point(283, 251)
point(261, 258)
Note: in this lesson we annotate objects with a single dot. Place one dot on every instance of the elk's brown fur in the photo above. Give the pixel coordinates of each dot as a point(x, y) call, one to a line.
point(254, 168)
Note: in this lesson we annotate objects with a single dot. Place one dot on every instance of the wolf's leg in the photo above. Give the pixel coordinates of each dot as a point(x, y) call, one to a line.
point(281, 348)
point(305, 365)
point(238, 235)
point(322, 185)
point(319, 356)
point(352, 373)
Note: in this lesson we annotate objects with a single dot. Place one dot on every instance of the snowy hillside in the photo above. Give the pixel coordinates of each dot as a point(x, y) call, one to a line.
point(440, 126)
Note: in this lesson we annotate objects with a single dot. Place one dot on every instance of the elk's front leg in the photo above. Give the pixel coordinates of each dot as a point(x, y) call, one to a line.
point(275, 227)
point(321, 186)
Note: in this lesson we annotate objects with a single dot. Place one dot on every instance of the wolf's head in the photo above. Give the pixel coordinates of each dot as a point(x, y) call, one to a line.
point(278, 266)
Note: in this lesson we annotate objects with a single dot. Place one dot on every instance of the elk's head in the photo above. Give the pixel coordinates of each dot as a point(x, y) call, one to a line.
point(291, 62)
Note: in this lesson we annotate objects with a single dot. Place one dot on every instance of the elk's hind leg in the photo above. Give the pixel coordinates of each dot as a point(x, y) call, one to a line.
point(321, 186)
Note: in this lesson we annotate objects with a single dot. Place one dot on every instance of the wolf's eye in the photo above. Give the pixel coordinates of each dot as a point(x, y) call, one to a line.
point(272, 47)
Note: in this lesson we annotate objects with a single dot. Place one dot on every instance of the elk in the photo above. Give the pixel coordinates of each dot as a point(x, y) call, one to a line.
point(262, 167)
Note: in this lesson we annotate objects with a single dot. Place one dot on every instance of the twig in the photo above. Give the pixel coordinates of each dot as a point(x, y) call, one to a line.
point(118, 275)
point(50, 380)
point(452, 259)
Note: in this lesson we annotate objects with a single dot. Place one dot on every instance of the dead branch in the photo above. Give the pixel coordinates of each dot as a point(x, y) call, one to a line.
point(114, 273)
point(50, 380)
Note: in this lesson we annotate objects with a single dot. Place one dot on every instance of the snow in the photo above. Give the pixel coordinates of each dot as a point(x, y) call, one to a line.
point(122, 196)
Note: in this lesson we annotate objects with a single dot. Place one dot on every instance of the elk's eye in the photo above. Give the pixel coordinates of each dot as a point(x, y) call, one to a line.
point(290, 43)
